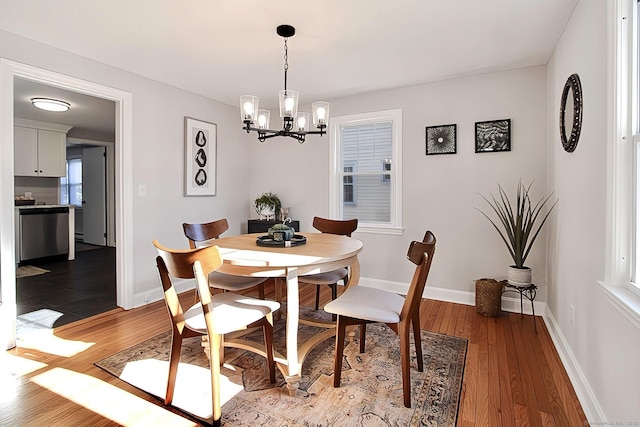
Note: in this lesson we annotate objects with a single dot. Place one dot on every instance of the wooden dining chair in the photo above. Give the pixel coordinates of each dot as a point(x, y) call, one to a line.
point(330, 278)
point(213, 316)
point(204, 234)
point(359, 305)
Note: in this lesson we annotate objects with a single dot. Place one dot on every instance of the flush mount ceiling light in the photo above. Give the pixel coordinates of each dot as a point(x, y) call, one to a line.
point(50, 104)
point(295, 124)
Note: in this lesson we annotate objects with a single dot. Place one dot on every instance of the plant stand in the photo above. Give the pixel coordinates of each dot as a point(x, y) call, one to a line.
point(529, 292)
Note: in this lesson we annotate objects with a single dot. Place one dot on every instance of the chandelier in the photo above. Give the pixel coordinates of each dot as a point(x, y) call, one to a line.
point(295, 124)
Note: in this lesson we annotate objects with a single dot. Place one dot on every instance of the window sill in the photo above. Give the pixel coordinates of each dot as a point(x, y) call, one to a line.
point(625, 301)
point(395, 231)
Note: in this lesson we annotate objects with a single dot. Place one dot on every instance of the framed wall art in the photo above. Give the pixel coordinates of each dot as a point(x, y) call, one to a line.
point(493, 135)
point(200, 157)
point(441, 139)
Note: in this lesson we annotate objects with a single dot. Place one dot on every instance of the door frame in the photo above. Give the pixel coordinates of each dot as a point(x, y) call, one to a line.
point(123, 185)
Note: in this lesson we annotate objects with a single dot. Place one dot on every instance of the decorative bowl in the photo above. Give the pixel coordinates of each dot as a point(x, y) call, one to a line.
point(281, 232)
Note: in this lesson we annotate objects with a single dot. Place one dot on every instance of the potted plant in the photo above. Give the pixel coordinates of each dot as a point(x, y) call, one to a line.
point(267, 205)
point(519, 225)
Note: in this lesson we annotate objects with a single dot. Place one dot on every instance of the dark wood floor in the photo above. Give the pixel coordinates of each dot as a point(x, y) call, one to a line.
point(78, 289)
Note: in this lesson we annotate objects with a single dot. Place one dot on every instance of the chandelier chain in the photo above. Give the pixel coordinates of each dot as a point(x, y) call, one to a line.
point(286, 63)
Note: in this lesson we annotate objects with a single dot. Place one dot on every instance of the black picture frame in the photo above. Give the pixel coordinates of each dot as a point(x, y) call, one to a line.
point(441, 139)
point(493, 136)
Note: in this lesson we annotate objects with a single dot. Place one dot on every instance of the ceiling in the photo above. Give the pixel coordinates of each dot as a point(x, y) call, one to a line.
point(90, 117)
point(222, 49)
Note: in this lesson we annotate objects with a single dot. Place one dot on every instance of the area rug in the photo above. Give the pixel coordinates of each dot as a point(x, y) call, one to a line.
point(29, 270)
point(370, 393)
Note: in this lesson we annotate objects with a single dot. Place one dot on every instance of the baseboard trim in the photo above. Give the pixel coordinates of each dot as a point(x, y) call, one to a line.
point(590, 405)
point(509, 304)
point(144, 298)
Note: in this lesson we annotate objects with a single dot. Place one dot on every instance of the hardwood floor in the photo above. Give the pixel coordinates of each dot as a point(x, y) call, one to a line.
point(77, 289)
point(513, 376)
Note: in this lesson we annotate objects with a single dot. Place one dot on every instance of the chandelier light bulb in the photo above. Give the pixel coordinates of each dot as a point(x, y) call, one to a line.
point(288, 105)
point(301, 123)
point(321, 113)
point(262, 121)
point(248, 109)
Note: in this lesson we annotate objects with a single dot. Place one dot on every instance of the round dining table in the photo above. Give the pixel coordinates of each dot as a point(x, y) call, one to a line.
point(322, 252)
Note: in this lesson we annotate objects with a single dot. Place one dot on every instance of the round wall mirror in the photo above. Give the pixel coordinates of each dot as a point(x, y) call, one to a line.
point(571, 113)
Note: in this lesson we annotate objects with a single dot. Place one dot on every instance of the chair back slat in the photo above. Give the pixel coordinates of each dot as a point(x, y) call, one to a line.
point(421, 254)
point(334, 226)
point(179, 263)
point(170, 295)
point(197, 233)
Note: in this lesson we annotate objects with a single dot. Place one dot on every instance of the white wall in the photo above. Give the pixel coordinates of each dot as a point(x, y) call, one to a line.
point(158, 141)
point(603, 346)
point(440, 192)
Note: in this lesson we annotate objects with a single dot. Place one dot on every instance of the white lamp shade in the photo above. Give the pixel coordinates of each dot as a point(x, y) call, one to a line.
point(248, 108)
point(263, 119)
point(320, 113)
point(288, 103)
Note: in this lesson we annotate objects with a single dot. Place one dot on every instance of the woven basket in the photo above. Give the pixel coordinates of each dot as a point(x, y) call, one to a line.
point(489, 297)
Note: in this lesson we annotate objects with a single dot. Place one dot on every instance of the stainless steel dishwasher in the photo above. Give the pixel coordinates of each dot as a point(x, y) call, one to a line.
point(44, 232)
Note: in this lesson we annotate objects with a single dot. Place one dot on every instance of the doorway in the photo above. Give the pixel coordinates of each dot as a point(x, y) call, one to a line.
point(9, 70)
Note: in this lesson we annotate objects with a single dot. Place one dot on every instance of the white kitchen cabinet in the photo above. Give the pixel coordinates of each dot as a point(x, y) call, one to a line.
point(39, 152)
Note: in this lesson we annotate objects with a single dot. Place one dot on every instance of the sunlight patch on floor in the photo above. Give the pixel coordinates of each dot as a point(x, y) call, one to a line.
point(193, 384)
point(107, 400)
point(11, 368)
point(44, 340)
point(35, 331)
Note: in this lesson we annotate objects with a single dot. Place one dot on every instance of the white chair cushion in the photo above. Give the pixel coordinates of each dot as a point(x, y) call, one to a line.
point(231, 312)
point(229, 282)
point(328, 278)
point(366, 303)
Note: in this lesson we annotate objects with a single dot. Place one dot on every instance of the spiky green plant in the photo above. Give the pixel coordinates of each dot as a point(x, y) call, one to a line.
point(520, 225)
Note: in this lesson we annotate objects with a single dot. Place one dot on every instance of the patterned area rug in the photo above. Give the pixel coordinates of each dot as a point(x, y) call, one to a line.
point(29, 270)
point(370, 393)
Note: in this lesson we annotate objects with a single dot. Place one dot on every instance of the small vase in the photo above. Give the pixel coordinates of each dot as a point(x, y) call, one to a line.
point(520, 277)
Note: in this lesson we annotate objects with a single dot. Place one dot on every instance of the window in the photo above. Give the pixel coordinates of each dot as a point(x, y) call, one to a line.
point(366, 170)
point(349, 184)
point(386, 166)
point(71, 185)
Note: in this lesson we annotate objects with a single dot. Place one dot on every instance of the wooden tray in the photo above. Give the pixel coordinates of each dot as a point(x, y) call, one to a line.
point(296, 240)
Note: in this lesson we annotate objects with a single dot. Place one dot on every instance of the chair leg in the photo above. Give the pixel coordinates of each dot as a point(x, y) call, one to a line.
point(261, 291)
point(174, 359)
point(363, 335)
point(214, 364)
point(317, 296)
point(267, 329)
point(334, 291)
point(337, 363)
point(403, 332)
point(415, 320)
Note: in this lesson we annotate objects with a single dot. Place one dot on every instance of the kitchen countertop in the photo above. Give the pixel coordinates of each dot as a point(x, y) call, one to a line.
point(45, 206)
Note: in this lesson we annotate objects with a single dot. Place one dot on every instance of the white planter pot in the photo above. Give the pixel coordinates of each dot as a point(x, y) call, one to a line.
point(519, 276)
point(267, 213)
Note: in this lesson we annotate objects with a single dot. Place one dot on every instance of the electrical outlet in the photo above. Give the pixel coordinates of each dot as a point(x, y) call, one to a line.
point(573, 315)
